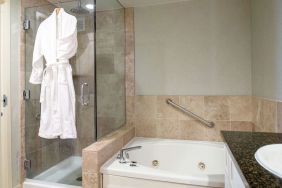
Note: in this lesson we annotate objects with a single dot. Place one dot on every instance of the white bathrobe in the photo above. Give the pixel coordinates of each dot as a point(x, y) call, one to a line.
point(56, 41)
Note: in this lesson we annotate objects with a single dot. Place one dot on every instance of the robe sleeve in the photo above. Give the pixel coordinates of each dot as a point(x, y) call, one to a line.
point(37, 62)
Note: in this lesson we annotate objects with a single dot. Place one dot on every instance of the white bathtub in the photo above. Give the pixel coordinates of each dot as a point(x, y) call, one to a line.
point(62, 175)
point(178, 165)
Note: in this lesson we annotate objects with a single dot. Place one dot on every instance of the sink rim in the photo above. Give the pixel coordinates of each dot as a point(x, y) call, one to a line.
point(263, 162)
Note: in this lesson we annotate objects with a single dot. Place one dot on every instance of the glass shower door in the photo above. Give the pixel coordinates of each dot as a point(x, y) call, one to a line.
point(110, 63)
point(45, 156)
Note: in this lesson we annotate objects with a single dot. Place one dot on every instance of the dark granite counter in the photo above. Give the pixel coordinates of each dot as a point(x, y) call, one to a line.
point(243, 146)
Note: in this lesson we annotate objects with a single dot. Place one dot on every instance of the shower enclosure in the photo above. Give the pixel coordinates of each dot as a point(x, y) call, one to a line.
point(98, 74)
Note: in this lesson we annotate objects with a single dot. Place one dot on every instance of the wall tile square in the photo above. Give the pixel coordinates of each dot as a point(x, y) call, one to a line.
point(192, 130)
point(279, 117)
point(145, 106)
point(146, 127)
point(217, 108)
point(242, 126)
point(168, 128)
point(166, 111)
point(241, 108)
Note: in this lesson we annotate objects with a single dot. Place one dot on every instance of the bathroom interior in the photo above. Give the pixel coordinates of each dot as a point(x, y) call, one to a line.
point(168, 93)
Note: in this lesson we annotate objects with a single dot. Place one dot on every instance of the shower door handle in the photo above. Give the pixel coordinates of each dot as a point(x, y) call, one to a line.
point(82, 95)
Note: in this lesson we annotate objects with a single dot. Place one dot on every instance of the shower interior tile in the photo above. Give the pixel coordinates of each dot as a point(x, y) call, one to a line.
point(105, 64)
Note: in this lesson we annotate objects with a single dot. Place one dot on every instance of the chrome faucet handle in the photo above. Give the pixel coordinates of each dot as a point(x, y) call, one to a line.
point(124, 152)
point(121, 157)
point(126, 155)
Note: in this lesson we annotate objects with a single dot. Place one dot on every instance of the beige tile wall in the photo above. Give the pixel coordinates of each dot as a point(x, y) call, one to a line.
point(267, 115)
point(129, 51)
point(279, 117)
point(153, 117)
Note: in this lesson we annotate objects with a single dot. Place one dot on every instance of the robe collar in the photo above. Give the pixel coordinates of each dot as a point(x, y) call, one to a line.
point(64, 17)
point(62, 11)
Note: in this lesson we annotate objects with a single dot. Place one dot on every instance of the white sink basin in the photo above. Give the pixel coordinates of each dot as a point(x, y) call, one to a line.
point(270, 158)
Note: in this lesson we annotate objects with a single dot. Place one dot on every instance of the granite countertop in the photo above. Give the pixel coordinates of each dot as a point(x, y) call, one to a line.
point(243, 146)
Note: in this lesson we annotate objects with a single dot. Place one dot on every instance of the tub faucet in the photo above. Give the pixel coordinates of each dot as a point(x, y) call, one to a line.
point(123, 152)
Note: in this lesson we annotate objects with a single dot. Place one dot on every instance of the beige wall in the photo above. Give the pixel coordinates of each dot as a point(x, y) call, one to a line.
point(267, 48)
point(197, 47)
point(152, 117)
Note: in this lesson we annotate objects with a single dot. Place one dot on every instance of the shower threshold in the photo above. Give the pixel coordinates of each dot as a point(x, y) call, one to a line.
point(66, 174)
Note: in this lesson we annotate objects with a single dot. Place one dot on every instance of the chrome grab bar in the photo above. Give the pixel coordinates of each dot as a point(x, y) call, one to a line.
point(82, 100)
point(209, 124)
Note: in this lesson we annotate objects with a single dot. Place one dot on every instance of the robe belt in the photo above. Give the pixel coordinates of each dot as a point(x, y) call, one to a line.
point(54, 82)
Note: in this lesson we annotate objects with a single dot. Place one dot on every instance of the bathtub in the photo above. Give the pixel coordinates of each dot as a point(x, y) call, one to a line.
point(163, 163)
point(61, 175)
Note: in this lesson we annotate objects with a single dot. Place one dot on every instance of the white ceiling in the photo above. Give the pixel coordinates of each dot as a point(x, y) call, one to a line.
point(143, 3)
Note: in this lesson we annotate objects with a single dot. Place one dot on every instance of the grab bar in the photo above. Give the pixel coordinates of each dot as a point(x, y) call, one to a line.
point(209, 124)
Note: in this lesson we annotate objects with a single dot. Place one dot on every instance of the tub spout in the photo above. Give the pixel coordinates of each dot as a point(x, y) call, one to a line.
point(124, 151)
